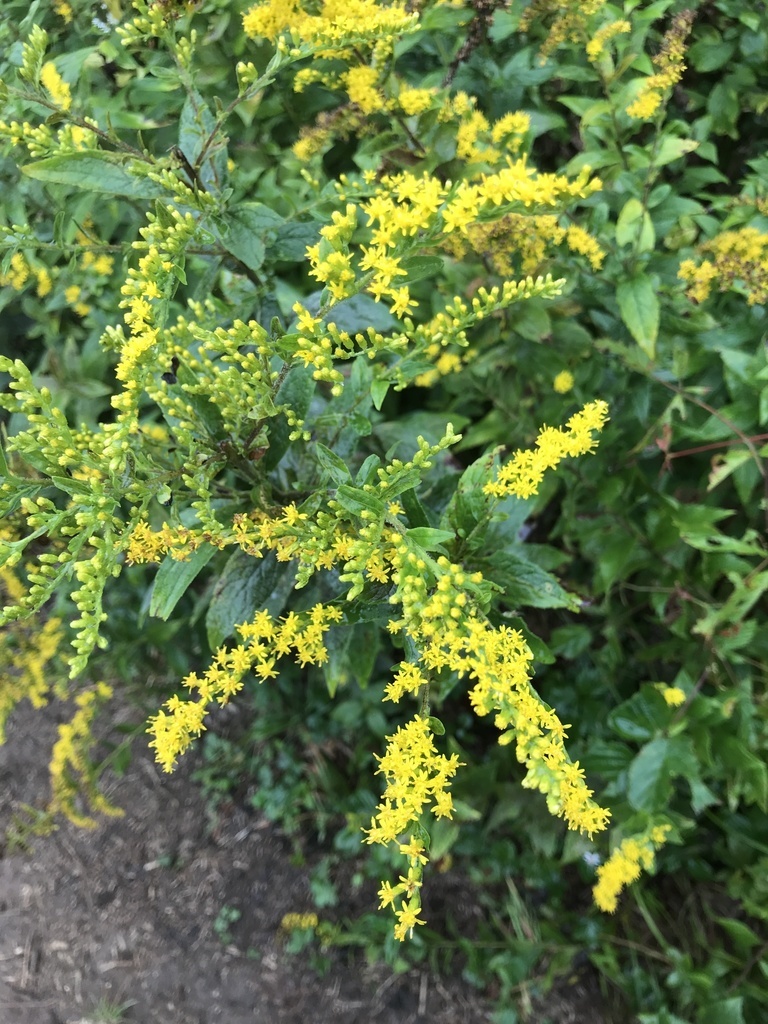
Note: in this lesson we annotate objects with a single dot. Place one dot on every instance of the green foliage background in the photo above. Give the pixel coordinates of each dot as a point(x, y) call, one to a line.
point(660, 534)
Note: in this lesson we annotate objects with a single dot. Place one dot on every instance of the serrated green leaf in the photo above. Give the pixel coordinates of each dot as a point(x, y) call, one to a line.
point(292, 242)
point(526, 584)
point(570, 641)
point(608, 758)
point(296, 393)
point(359, 312)
point(246, 585)
point(245, 230)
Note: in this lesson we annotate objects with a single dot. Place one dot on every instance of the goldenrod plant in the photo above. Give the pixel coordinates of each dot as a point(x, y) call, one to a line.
point(333, 333)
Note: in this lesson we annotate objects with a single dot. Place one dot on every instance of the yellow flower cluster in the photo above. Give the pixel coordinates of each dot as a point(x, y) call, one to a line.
point(72, 774)
point(144, 545)
point(563, 382)
point(440, 605)
point(41, 141)
point(522, 474)
point(670, 62)
point(17, 274)
point(580, 241)
point(55, 86)
point(673, 695)
point(739, 259)
point(527, 238)
point(26, 659)
point(63, 9)
point(417, 779)
point(333, 26)
point(596, 45)
point(264, 642)
point(479, 141)
point(143, 288)
point(623, 867)
point(404, 212)
point(415, 101)
point(571, 18)
point(361, 88)
point(291, 922)
point(24, 271)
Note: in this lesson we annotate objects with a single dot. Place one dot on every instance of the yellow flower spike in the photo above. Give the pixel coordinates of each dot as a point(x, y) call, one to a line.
point(55, 86)
point(522, 474)
point(624, 866)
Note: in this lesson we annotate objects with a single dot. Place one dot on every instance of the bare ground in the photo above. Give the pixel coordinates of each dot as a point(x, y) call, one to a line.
point(127, 913)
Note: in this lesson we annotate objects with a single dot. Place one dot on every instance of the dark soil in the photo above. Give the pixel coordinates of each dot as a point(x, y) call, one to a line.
point(131, 913)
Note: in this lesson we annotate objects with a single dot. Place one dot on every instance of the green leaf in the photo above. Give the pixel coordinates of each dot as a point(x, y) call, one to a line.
point(444, 834)
point(362, 651)
point(292, 242)
point(634, 227)
point(639, 308)
point(428, 538)
point(741, 934)
point(356, 500)
point(244, 230)
point(649, 786)
point(526, 584)
point(710, 53)
point(641, 717)
point(195, 125)
point(174, 578)
point(469, 503)
point(414, 510)
point(330, 461)
point(336, 668)
point(570, 641)
point(379, 389)
point(608, 758)
point(436, 726)
point(296, 393)
point(725, 1011)
point(672, 148)
point(92, 172)
point(246, 585)
point(419, 267)
point(367, 472)
point(359, 312)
